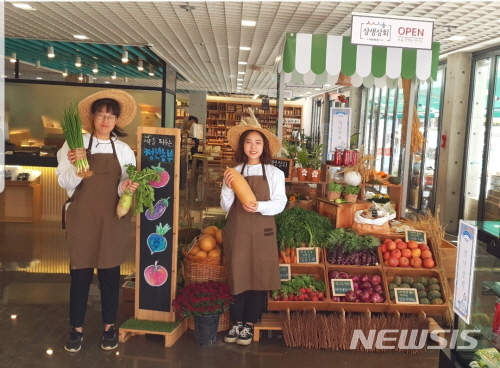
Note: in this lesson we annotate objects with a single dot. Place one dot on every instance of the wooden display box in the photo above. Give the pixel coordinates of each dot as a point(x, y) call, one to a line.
point(359, 307)
point(318, 271)
point(341, 215)
point(21, 201)
point(362, 267)
point(449, 259)
point(429, 309)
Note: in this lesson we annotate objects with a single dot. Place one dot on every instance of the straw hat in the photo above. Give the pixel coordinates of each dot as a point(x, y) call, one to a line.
point(233, 134)
point(127, 104)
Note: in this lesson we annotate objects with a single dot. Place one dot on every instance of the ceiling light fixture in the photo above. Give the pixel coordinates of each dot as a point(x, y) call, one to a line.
point(80, 77)
point(113, 76)
point(95, 70)
point(242, 62)
point(327, 85)
point(455, 38)
point(140, 66)
point(107, 82)
point(239, 79)
point(37, 64)
point(317, 89)
point(78, 62)
point(248, 23)
point(244, 48)
point(65, 73)
point(13, 57)
point(80, 37)
point(255, 96)
point(38, 78)
point(151, 71)
point(22, 6)
point(50, 52)
point(125, 56)
point(241, 72)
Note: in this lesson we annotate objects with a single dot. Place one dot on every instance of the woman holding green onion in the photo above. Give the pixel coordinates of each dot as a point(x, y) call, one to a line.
point(97, 239)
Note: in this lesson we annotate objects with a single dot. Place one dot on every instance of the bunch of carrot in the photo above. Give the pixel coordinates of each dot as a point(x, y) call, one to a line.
point(289, 255)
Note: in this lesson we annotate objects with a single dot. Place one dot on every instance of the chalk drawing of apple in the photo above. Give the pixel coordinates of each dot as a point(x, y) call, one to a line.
point(155, 275)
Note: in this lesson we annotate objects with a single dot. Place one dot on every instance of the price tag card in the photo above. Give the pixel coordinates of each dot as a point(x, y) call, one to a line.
point(341, 286)
point(417, 235)
point(307, 255)
point(406, 296)
point(285, 272)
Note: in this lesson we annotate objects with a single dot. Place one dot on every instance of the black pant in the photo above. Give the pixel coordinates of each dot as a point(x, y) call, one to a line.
point(194, 149)
point(247, 306)
point(109, 282)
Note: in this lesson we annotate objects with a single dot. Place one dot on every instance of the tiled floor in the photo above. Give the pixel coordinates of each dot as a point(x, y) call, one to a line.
point(34, 286)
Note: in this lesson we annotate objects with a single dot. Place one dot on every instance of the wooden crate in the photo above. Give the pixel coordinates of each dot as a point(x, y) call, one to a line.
point(390, 273)
point(429, 244)
point(318, 271)
point(341, 215)
point(449, 259)
point(321, 260)
point(358, 307)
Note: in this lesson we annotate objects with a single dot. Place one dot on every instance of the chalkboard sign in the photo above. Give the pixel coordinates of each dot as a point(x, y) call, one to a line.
point(159, 148)
point(285, 272)
point(406, 296)
point(417, 235)
point(341, 286)
point(307, 255)
point(285, 165)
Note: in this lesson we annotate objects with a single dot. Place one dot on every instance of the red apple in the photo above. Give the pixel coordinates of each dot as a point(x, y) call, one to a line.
point(155, 275)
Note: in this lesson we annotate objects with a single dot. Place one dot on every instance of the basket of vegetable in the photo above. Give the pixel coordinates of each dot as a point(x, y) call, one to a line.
point(306, 290)
point(205, 248)
point(369, 291)
point(350, 193)
point(346, 247)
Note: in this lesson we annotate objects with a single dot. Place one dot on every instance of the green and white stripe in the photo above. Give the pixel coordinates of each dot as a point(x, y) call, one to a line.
point(318, 59)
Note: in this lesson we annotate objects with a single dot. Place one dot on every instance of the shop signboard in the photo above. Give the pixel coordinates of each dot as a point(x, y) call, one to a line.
point(391, 31)
point(265, 104)
point(285, 272)
point(406, 296)
point(285, 165)
point(464, 272)
point(338, 136)
point(416, 235)
point(341, 286)
point(156, 253)
point(307, 255)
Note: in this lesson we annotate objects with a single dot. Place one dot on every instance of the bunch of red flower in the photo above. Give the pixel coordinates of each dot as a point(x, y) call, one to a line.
point(342, 98)
point(202, 298)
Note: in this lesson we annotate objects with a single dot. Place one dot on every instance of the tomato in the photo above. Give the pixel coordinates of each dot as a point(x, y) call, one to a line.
point(423, 247)
point(416, 262)
point(426, 254)
point(391, 245)
point(406, 253)
point(383, 248)
point(404, 262)
point(428, 263)
point(396, 253)
point(393, 262)
point(412, 244)
point(387, 255)
point(401, 245)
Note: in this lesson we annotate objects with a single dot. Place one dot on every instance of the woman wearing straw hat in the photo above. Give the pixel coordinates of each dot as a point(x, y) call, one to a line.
point(249, 235)
point(96, 238)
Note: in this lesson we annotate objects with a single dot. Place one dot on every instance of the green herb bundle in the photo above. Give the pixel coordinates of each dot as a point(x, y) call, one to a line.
point(334, 187)
point(72, 129)
point(351, 189)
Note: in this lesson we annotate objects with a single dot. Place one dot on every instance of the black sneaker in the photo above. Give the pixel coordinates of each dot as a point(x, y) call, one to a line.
point(246, 335)
point(233, 333)
point(109, 339)
point(74, 342)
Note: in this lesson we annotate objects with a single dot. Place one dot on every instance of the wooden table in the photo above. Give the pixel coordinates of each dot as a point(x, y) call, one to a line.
point(340, 214)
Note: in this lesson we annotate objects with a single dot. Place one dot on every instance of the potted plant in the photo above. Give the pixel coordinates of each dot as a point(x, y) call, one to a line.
point(351, 193)
point(315, 163)
point(302, 164)
point(205, 301)
point(333, 191)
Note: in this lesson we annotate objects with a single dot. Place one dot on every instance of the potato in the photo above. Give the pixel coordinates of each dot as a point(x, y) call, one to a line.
point(241, 188)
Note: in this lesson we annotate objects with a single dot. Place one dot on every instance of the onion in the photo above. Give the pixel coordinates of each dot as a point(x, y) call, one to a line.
point(365, 297)
point(350, 296)
point(376, 298)
point(343, 275)
point(355, 278)
point(355, 285)
point(332, 274)
point(377, 288)
point(370, 291)
point(358, 291)
point(375, 279)
point(365, 285)
point(335, 299)
point(364, 278)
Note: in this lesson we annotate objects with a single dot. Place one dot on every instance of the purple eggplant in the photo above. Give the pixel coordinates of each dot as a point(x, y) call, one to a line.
point(158, 210)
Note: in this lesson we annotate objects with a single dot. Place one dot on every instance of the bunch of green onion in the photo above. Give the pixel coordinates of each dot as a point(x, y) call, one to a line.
point(72, 129)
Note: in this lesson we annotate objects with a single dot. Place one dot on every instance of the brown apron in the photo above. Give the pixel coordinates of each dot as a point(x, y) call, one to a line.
point(250, 244)
point(96, 237)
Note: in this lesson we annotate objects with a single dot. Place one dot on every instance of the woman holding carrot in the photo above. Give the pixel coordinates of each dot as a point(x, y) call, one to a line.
point(96, 237)
point(249, 235)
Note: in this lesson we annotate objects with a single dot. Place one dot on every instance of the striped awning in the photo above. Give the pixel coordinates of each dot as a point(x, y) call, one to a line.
point(319, 59)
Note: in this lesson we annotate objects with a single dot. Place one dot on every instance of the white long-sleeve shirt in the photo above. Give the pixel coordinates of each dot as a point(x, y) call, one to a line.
point(276, 180)
point(66, 172)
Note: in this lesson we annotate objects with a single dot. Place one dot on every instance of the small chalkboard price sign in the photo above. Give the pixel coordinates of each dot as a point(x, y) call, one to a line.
point(307, 255)
point(406, 296)
point(285, 165)
point(341, 286)
point(285, 272)
point(416, 235)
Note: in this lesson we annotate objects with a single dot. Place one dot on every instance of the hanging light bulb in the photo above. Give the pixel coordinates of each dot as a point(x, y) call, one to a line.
point(65, 73)
point(13, 57)
point(78, 62)
point(80, 77)
point(140, 66)
point(125, 56)
point(151, 71)
point(95, 70)
point(50, 52)
point(113, 76)
point(37, 64)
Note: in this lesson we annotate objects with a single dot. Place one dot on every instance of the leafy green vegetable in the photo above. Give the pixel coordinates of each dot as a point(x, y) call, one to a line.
point(293, 286)
point(334, 187)
point(350, 241)
point(144, 194)
point(351, 189)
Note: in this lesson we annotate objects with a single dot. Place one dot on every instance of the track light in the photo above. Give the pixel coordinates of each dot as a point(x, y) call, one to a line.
point(151, 71)
point(95, 70)
point(125, 56)
point(50, 52)
point(255, 96)
point(140, 66)
point(80, 77)
point(65, 73)
point(13, 57)
point(37, 64)
point(78, 62)
point(113, 76)
point(126, 79)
